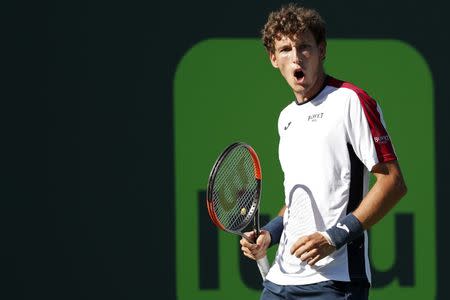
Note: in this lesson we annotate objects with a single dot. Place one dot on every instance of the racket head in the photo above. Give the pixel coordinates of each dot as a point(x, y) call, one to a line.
point(234, 188)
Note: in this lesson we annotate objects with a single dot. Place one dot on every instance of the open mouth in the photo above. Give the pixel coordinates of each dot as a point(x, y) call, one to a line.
point(298, 74)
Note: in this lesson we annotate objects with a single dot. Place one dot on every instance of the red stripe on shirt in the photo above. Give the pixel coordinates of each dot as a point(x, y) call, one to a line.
point(382, 142)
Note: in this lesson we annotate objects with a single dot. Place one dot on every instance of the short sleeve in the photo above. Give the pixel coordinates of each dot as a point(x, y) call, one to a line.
point(366, 130)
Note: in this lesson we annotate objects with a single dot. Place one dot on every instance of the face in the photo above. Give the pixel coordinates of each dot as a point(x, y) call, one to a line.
point(301, 63)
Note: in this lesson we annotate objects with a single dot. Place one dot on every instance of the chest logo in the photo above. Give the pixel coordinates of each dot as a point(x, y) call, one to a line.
point(315, 117)
point(287, 126)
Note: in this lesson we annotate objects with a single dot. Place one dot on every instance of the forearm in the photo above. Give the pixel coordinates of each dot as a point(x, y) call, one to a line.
point(388, 189)
point(281, 212)
point(275, 227)
point(386, 192)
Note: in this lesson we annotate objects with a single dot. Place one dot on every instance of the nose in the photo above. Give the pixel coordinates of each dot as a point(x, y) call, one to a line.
point(296, 57)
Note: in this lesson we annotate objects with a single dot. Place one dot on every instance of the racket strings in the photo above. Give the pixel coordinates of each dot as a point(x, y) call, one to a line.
point(235, 189)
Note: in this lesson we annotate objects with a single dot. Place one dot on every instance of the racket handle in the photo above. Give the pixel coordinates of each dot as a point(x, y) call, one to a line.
point(264, 266)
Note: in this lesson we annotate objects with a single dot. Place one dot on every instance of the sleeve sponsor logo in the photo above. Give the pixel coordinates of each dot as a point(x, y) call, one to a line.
point(381, 139)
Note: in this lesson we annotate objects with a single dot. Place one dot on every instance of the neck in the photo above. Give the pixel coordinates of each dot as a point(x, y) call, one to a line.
point(312, 92)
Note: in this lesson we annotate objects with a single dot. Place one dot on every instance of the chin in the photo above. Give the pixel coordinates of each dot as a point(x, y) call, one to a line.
point(300, 89)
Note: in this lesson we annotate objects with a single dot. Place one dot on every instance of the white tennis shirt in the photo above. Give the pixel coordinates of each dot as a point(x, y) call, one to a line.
point(327, 147)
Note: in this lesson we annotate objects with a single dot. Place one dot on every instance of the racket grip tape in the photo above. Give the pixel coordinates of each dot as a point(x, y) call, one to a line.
point(264, 266)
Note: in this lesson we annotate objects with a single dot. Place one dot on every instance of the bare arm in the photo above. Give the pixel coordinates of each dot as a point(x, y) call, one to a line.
point(281, 212)
point(388, 189)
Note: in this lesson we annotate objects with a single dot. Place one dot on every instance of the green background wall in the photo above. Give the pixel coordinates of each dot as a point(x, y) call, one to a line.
point(91, 94)
point(239, 97)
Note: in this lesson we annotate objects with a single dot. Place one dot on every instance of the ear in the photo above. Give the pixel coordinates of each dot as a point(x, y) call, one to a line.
point(273, 59)
point(323, 50)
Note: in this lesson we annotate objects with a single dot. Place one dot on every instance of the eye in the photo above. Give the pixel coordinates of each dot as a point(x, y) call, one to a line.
point(304, 47)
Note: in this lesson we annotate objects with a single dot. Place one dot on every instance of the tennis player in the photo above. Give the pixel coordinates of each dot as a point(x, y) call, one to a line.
point(331, 136)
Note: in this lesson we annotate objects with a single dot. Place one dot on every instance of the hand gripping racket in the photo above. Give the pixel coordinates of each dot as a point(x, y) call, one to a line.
point(233, 194)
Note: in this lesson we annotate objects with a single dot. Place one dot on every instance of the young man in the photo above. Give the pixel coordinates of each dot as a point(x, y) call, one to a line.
point(331, 136)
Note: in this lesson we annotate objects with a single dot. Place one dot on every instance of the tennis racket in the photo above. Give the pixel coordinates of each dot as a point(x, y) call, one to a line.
point(233, 194)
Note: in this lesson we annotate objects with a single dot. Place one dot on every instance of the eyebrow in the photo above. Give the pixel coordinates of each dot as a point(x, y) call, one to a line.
point(299, 44)
point(303, 43)
point(283, 44)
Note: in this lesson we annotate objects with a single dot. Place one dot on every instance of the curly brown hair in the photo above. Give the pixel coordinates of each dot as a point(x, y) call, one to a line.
point(290, 21)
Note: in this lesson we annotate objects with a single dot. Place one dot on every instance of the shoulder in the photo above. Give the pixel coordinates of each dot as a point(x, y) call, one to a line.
point(287, 109)
point(285, 114)
point(351, 92)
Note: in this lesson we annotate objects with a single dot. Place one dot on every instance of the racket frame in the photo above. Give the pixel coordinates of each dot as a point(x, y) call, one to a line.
point(253, 213)
point(263, 263)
